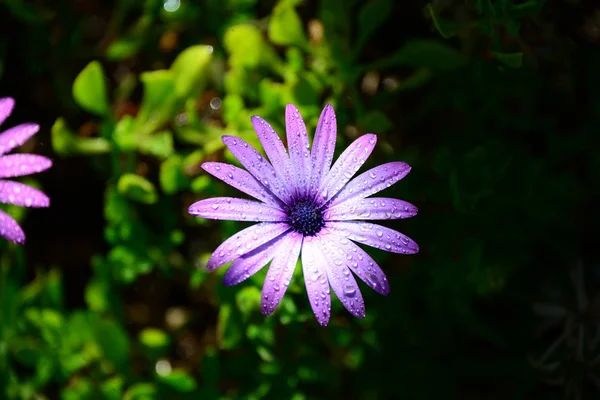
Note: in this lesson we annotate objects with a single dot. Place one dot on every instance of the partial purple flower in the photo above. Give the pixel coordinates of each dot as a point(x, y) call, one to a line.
point(14, 165)
point(307, 209)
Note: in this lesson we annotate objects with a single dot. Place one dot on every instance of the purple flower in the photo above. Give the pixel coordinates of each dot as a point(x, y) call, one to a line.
point(308, 209)
point(13, 165)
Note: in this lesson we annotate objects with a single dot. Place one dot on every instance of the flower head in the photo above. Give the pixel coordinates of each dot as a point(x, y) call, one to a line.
point(308, 209)
point(14, 165)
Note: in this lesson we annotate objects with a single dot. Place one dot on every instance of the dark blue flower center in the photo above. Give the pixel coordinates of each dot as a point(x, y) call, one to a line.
point(305, 218)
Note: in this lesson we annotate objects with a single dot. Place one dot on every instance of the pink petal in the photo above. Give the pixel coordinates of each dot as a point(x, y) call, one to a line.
point(360, 262)
point(372, 181)
point(245, 241)
point(315, 279)
point(22, 195)
point(16, 136)
point(375, 235)
point(370, 208)
point(343, 283)
point(346, 166)
point(274, 148)
point(22, 164)
point(249, 264)
point(241, 180)
point(234, 209)
point(6, 106)
point(9, 229)
point(323, 146)
point(257, 166)
point(299, 148)
point(280, 272)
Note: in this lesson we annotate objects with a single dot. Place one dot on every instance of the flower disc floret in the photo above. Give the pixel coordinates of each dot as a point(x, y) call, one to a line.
point(305, 218)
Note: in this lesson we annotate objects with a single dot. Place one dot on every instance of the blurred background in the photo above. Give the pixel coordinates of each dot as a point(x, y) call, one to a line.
point(492, 102)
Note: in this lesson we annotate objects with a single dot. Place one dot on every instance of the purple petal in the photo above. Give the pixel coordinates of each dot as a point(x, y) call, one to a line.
point(245, 241)
point(9, 229)
point(372, 181)
point(249, 264)
point(298, 147)
point(22, 195)
point(6, 106)
point(241, 180)
point(274, 148)
point(359, 262)
point(371, 208)
point(256, 164)
point(315, 279)
point(343, 283)
point(16, 136)
point(22, 164)
point(323, 146)
point(234, 209)
point(280, 272)
point(346, 166)
point(375, 235)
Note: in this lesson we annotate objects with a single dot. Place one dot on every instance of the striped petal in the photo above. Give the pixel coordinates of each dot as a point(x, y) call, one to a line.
point(315, 279)
point(372, 181)
point(323, 146)
point(6, 106)
point(299, 148)
point(22, 164)
point(234, 209)
point(370, 208)
point(374, 235)
point(280, 272)
point(241, 180)
point(346, 166)
point(22, 195)
point(16, 136)
point(244, 242)
point(249, 264)
point(9, 229)
point(274, 149)
point(256, 164)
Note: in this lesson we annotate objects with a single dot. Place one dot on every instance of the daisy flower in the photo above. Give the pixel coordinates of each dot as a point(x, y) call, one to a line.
point(13, 165)
point(307, 209)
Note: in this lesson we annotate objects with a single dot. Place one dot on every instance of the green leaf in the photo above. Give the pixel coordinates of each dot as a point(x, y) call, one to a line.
point(512, 60)
point(123, 48)
point(124, 134)
point(113, 341)
point(191, 68)
point(285, 26)
point(370, 17)
point(158, 101)
point(154, 338)
point(245, 45)
point(64, 142)
point(229, 329)
point(159, 144)
point(171, 175)
point(419, 53)
point(112, 388)
point(137, 188)
point(89, 89)
point(96, 295)
point(248, 300)
point(179, 380)
point(141, 391)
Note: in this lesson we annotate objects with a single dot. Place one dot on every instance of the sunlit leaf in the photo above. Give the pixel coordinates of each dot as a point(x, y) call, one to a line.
point(285, 26)
point(89, 89)
point(137, 188)
point(190, 69)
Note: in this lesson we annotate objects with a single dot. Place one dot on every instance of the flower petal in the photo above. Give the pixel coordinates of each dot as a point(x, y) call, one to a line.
point(280, 272)
point(360, 262)
point(256, 164)
point(375, 235)
point(234, 209)
point(241, 180)
point(9, 229)
point(372, 181)
point(274, 149)
point(315, 279)
point(370, 208)
point(22, 195)
point(22, 164)
point(245, 241)
point(249, 264)
point(6, 106)
point(343, 283)
point(16, 136)
point(346, 166)
point(299, 148)
point(323, 146)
